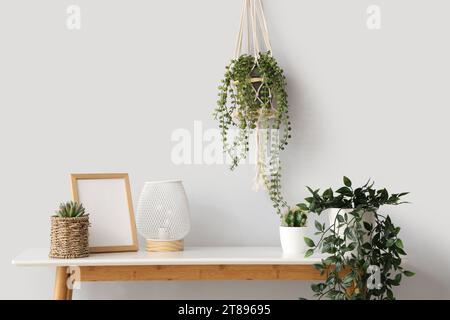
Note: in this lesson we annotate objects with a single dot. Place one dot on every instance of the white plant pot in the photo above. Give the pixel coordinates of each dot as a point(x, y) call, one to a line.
point(292, 240)
point(332, 213)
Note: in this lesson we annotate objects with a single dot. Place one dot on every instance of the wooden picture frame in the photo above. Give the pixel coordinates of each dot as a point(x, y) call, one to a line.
point(113, 227)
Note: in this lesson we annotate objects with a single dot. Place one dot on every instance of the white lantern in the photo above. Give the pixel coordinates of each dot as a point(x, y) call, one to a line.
point(163, 215)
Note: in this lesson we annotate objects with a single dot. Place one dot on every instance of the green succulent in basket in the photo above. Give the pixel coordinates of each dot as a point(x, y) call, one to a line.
point(70, 209)
point(295, 217)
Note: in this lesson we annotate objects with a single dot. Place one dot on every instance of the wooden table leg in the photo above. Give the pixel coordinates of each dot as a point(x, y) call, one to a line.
point(69, 294)
point(62, 292)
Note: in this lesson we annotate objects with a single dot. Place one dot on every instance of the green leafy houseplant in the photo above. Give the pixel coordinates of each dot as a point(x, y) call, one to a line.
point(363, 258)
point(70, 209)
point(252, 96)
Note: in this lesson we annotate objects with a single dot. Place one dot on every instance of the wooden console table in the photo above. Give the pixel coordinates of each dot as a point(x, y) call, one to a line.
point(195, 263)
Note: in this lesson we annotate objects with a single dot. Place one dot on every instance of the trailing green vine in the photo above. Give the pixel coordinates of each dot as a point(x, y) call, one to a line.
point(253, 98)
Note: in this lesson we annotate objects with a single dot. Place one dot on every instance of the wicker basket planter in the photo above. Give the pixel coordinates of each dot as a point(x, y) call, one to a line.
point(69, 237)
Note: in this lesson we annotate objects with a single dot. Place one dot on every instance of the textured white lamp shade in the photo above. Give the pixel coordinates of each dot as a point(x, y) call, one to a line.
point(163, 215)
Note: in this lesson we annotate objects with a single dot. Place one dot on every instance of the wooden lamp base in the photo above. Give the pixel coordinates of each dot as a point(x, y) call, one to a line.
point(164, 246)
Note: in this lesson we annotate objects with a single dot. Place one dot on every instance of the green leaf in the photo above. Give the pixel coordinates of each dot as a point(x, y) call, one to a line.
point(318, 266)
point(334, 294)
point(408, 273)
point(310, 190)
point(303, 207)
point(315, 287)
point(318, 225)
point(309, 253)
point(397, 280)
point(345, 191)
point(367, 226)
point(390, 243)
point(328, 194)
point(309, 242)
point(390, 294)
point(399, 244)
point(309, 199)
point(347, 182)
point(349, 233)
point(384, 195)
point(348, 279)
point(330, 260)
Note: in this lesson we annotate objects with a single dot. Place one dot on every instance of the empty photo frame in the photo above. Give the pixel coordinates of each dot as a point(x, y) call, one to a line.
point(107, 199)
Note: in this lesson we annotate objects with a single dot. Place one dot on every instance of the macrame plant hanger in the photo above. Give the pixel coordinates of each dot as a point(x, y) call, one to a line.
point(254, 22)
point(252, 16)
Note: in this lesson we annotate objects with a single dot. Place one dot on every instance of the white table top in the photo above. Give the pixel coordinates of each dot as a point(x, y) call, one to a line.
point(190, 256)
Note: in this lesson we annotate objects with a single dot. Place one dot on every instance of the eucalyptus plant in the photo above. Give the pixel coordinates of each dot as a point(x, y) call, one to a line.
point(252, 96)
point(363, 248)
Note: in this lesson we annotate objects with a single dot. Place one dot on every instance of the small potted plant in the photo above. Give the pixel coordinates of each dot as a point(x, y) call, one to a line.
point(69, 232)
point(293, 229)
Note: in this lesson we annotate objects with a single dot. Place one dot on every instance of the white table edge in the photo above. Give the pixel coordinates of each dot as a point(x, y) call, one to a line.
point(188, 257)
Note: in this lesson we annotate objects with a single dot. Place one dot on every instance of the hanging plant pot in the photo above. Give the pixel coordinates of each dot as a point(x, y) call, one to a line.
point(253, 100)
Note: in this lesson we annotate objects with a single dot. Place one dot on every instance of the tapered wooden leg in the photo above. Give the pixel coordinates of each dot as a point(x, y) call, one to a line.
point(61, 291)
point(69, 294)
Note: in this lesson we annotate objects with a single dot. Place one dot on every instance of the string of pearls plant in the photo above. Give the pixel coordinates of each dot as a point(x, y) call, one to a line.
point(253, 99)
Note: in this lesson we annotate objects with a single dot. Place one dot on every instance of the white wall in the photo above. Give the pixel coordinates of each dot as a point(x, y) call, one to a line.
point(106, 98)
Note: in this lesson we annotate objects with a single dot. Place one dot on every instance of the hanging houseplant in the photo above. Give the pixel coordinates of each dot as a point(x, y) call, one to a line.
point(253, 100)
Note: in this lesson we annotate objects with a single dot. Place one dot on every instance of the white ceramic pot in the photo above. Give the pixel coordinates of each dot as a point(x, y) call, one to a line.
point(332, 213)
point(292, 240)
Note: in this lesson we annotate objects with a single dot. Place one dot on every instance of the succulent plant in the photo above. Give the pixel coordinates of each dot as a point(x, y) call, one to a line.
point(294, 217)
point(70, 209)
